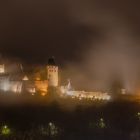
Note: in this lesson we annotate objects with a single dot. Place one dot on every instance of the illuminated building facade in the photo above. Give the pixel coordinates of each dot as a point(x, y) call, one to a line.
point(68, 91)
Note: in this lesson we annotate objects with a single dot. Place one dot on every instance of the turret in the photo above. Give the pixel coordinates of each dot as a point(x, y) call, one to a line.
point(52, 73)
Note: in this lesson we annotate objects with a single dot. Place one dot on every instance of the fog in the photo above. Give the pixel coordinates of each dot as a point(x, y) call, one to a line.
point(113, 56)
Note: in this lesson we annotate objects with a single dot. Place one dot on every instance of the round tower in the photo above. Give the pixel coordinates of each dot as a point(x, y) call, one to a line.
point(52, 73)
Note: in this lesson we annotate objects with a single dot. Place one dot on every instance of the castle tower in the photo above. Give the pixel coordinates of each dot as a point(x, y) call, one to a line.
point(2, 68)
point(52, 73)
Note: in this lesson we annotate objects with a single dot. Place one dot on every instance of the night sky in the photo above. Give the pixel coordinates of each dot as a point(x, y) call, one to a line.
point(33, 30)
point(87, 36)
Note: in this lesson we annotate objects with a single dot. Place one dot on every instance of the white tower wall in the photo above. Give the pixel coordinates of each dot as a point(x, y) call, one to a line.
point(52, 75)
point(2, 68)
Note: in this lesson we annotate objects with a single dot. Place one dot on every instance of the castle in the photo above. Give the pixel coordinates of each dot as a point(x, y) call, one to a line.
point(36, 82)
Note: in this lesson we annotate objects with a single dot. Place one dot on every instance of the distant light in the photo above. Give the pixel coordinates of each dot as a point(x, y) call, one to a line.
point(52, 129)
point(102, 123)
point(5, 130)
point(50, 124)
point(138, 115)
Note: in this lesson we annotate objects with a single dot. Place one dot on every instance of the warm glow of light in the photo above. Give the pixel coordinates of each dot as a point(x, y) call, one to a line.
point(41, 86)
point(43, 94)
point(38, 79)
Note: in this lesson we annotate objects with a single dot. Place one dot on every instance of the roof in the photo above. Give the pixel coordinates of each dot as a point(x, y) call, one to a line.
point(51, 61)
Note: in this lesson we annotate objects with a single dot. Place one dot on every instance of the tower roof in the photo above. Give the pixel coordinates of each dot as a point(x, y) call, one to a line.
point(51, 61)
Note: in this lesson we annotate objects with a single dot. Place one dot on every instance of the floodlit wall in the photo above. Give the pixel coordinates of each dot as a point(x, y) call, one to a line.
point(52, 75)
point(2, 69)
point(15, 86)
point(41, 86)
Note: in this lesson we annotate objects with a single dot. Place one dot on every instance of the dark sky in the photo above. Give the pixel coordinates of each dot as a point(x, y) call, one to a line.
point(33, 30)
